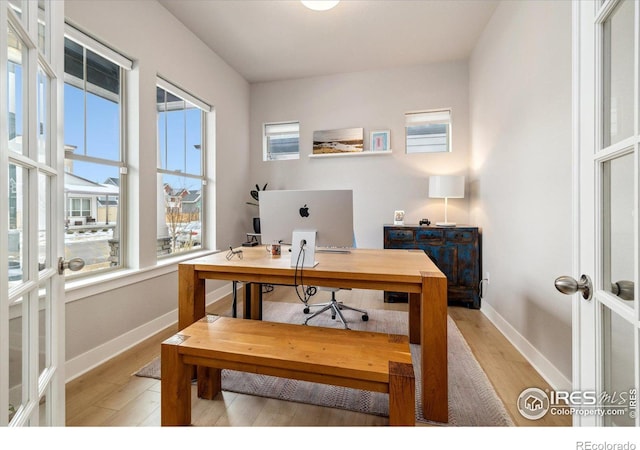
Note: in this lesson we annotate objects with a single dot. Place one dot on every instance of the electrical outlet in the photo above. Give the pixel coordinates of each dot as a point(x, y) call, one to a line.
point(487, 278)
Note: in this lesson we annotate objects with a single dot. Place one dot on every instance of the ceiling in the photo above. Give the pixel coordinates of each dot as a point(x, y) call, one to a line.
point(281, 39)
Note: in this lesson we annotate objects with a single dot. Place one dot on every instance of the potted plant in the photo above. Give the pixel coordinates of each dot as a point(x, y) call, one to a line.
point(255, 195)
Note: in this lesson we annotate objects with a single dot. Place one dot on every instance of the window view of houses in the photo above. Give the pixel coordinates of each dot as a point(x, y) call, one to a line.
point(95, 164)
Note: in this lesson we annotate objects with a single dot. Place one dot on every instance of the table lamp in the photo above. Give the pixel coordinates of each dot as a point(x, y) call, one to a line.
point(446, 186)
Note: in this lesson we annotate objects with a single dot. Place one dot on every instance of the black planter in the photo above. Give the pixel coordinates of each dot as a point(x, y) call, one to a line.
point(256, 225)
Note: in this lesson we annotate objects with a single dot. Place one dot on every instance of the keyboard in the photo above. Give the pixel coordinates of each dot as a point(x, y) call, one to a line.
point(332, 250)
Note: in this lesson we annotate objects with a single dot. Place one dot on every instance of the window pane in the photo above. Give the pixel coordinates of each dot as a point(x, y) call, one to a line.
point(176, 123)
point(73, 60)
point(73, 119)
point(92, 202)
point(427, 138)
point(618, 356)
point(15, 101)
point(428, 132)
point(162, 128)
point(282, 145)
point(17, 244)
point(618, 255)
point(103, 76)
point(618, 74)
point(44, 327)
point(103, 128)
point(43, 213)
point(18, 314)
point(42, 26)
point(180, 147)
point(43, 93)
point(181, 203)
point(92, 129)
point(282, 141)
point(193, 155)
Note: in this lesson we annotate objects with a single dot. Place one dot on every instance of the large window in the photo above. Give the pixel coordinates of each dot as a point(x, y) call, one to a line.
point(281, 141)
point(95, 157)
point(428, 131)
point(181, 169)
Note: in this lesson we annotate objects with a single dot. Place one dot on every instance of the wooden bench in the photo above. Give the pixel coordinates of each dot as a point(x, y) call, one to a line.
point(363, 360)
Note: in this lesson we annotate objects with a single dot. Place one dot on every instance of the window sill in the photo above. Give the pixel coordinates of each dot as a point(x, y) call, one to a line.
point(82, 288)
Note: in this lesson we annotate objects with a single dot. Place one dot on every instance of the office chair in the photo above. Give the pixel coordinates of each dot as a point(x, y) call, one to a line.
point(334, 305)
point(336, 308)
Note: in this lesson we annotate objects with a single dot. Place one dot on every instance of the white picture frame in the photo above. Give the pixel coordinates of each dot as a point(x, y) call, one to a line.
point(398, 217)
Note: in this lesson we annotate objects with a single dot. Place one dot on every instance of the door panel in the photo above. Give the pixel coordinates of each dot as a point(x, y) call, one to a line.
point(606, 328)
point(31, 292)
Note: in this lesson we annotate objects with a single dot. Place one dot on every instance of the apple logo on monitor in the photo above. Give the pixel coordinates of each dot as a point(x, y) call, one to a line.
point(304, 211)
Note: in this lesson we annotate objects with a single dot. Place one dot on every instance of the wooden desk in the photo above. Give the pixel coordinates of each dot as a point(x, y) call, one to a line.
point(408, 271)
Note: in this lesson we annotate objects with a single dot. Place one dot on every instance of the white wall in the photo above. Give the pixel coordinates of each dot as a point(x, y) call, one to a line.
point(520, 103)
point(160, 45)
point(373, 100)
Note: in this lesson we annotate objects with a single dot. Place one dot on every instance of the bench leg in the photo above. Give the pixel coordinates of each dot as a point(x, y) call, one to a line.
point(209, 382)
point(175, 385)
point(402, 394)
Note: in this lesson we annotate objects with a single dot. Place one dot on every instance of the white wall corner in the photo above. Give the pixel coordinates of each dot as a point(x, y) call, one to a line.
point(556, 379)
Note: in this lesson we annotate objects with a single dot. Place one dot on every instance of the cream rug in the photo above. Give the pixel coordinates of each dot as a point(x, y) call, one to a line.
point(472, 399)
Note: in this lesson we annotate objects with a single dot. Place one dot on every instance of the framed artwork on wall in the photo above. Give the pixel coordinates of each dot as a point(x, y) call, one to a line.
point(380, 140)
point(345, 140)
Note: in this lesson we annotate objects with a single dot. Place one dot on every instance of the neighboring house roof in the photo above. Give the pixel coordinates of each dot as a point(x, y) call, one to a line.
point(73, 184)
point(112, 180)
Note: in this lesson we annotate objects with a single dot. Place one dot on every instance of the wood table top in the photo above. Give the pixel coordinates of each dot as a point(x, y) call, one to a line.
point(375, 264)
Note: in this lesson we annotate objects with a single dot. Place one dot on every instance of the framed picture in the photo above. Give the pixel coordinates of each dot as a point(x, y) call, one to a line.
point(338, 141)
point(380, 140)
point(398, 218)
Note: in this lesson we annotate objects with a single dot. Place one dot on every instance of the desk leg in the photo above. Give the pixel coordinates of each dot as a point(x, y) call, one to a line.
point(191, 292)
point(434, 349)
point(414, 318)
point(256, 301)
point(253, 301)
point(234, 304)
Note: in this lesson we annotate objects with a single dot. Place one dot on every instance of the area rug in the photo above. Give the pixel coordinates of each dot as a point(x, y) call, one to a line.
point(472, 399)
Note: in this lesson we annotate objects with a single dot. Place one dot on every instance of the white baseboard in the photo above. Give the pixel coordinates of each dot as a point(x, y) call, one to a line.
point(99, 355)
point(548, 371)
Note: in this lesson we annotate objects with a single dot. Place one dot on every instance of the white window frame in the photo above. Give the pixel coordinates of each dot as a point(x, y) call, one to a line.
point(427, 144)
point(205, 109)
point(125, 65)
point(279, 129)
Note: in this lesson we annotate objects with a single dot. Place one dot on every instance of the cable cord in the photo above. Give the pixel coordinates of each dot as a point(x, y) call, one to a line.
point(310, 290)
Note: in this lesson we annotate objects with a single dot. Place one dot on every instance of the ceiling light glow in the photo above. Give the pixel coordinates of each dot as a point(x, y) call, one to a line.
point(320, 5)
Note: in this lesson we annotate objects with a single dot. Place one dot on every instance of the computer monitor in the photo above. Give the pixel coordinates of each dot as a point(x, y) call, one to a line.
point(328, 212)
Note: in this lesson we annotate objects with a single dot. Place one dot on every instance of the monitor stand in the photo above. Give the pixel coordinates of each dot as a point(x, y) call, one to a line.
point(303, 239)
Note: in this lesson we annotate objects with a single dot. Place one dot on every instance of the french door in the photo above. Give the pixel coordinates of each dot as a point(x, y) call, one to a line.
point(31, 291)
point(606, 316)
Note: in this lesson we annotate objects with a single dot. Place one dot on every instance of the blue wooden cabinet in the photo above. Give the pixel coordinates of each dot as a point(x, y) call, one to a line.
point(456, 252)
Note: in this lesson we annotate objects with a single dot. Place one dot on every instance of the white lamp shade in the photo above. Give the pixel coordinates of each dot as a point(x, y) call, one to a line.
point(446, 186)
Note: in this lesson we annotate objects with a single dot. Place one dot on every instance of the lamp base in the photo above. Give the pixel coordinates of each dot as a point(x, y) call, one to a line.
point(445, 224)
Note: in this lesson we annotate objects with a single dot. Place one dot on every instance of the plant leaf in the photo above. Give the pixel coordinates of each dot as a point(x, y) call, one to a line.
point(254, 195)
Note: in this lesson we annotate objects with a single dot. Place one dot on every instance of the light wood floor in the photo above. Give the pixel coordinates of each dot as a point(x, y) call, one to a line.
point(110, 395)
